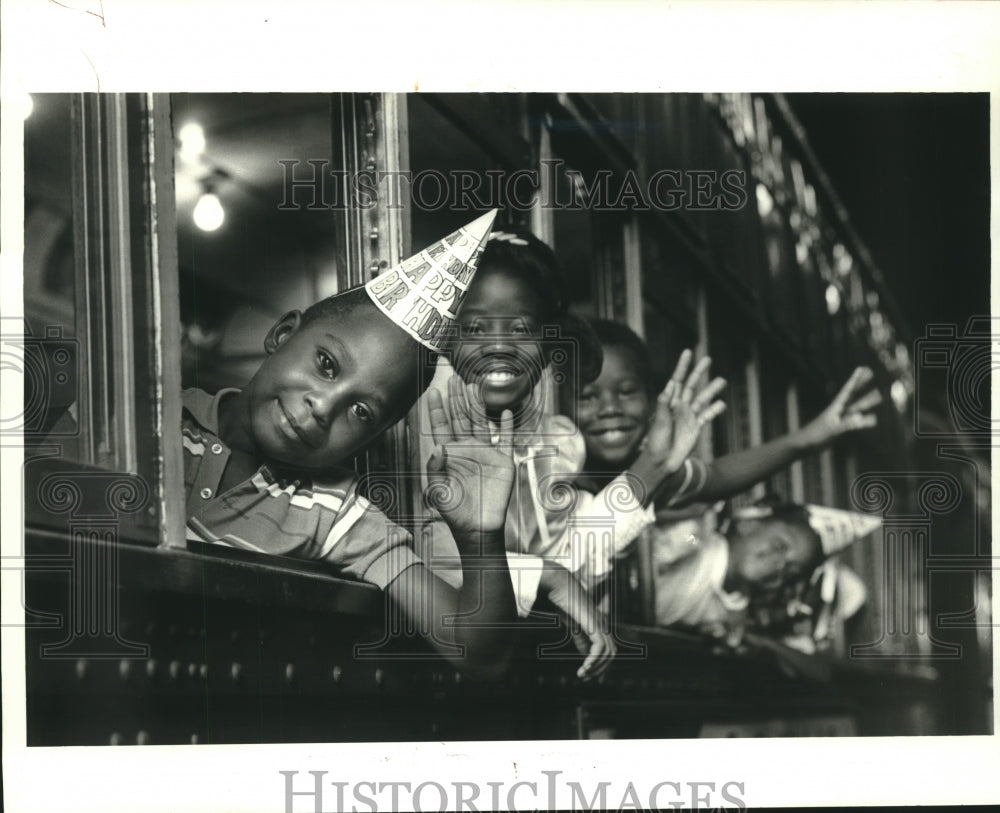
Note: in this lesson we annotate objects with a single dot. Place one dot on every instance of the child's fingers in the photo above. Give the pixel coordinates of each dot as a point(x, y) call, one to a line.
point(708, 393)
point(459, 407)
point(680, 371)
point(668, 394)
point(662, 417)
point(598, 659)
point(865, 402)
point(693, 381)
point(477, 414)
point(713, 412)
point(858, 421)
point(440, 425)
point(860, 377)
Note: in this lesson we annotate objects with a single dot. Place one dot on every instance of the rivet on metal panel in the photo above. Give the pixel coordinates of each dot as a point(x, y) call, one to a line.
point(458, 677)
point(116, 738)
point(124, 668)
point(81, 669)
point(142, 738)
point(194, 739)
point(289, 672)
point(175, 669)
point(337, 673)
point(192, 669)
point(379, 677)
point(203, 671)
point(235, 671)
point(151, 667)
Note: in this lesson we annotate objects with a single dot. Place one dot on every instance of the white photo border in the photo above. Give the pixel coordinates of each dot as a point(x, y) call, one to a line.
point(215, 45)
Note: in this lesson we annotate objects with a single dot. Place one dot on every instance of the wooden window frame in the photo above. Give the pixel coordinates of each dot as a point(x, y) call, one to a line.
point(127, 324)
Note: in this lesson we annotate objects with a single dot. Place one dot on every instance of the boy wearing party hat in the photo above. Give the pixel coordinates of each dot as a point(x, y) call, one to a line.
point(261, 463)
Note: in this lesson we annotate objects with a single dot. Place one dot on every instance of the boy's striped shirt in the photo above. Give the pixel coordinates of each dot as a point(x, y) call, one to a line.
point(281, 512)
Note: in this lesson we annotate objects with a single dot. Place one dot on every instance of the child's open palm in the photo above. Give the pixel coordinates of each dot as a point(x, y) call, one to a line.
point(682, 409)
point(471, 471)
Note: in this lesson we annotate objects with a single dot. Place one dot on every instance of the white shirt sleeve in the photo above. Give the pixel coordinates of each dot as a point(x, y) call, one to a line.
point(526, 575)
point(601, 526)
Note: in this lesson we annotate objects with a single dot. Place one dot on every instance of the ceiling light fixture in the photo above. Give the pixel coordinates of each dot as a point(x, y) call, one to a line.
point(208, 214)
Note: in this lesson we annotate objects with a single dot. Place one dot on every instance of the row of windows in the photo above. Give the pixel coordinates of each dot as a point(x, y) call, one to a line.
point(145, 274)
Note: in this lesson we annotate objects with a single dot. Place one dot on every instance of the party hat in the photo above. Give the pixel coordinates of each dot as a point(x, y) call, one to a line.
point(423, 293)
point(837, 528)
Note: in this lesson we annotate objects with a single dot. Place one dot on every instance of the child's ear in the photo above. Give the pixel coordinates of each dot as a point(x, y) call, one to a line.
point(281, 330)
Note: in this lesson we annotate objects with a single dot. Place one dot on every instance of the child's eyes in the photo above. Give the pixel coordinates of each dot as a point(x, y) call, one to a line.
point(362, 412)
point(517, 328)
point(326, 363)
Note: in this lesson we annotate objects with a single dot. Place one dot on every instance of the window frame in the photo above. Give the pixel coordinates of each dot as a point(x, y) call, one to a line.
point(127, 309)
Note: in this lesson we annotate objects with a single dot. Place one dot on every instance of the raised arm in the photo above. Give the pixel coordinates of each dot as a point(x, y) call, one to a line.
point(471, 474)
point(601, 526)
point(734, 473)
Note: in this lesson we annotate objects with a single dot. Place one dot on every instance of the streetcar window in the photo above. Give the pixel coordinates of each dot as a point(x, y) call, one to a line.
point(254, 191)
point(51, 406)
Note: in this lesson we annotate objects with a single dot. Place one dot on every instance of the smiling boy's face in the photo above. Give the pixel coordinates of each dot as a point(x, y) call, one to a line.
point(498, 346)
point(613, 411)
point(329, 387)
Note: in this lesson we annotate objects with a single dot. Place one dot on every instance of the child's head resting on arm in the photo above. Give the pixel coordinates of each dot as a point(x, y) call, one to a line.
point(517, 291)
point(769, 552)
point(774, 544)
point(334, 378)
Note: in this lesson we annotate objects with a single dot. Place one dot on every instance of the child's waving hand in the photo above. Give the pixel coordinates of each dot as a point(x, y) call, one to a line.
point(682, 409)
point(471, 472)
point(846, 413)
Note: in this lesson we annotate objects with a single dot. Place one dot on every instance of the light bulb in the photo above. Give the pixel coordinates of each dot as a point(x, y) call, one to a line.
point(191, 138)
point(765, 203)
point(832, 299)
point(899, 394)
point(208, 213)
